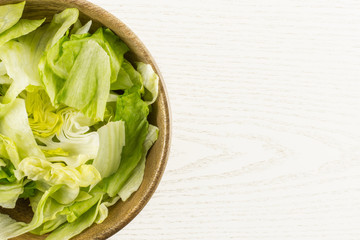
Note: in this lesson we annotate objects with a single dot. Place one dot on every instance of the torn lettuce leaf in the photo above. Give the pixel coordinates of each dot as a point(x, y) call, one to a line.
point(11, 54)
point(73, 144)
point(150, 80)
point(44, 119)
point(21, 28)
point(112, 140)
point(10, 187)
point(68, 230)
point(15, 125)
point(8, 151)
point(58, 173)
point(10, 228)
point(22, 57)
point(127, 77)
point(69, 61)
point(84, 29)
point(10, 193)
point(133, 111)
point(135, 180)
point(88, 84)
point(10, 14)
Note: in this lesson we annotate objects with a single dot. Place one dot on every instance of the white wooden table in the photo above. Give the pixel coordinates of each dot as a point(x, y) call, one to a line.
point(265, 98)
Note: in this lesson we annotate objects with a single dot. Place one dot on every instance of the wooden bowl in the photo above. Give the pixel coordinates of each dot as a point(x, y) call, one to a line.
point(122, 212)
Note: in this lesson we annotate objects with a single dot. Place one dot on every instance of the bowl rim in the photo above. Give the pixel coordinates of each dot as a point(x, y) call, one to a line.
point(165, 151)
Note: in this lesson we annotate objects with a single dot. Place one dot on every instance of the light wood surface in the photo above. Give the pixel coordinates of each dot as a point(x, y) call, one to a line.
point(265, 99)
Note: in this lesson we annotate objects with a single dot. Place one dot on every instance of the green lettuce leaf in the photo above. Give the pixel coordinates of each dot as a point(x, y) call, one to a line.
point(103, 209)
point(133, 111)
point(29, 190)
point(58, 173)
point(66, 195)
point(58, 26)
point(127, 77)
point(73, 144)
point(10, 228)
point(21, 28)
point(150, 80)
point(10, 187)
point(44, 120)
point(9, 151)
point(59, 61)
point(14, 124)
point(10, 14)
point(135, 180)
point(2, 163)
point(61, 70)
point(75, 210)
point(68, 230)
point(6, 172)
point(112, 45)
point(84, 29)
point(87, 87)
point(10, 193)
point(22, 57)
point(11, 54)
point(112, 140)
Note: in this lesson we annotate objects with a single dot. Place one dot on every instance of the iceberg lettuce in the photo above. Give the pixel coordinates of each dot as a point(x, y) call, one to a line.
point(74, 133)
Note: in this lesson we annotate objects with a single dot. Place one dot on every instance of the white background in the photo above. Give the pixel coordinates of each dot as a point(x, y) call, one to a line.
point(265, 99)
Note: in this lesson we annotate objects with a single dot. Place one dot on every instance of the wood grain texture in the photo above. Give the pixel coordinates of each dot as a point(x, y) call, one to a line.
point(265, 100)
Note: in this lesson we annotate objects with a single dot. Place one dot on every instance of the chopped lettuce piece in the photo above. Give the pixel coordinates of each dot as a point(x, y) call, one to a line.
point(84, 29)
point(77, 209)
point(68, 230)
point(22, 57)
point(44, 120)
point(6, 172)
point(112, 140)
point(10, 14)
point(11, 54)
point(88, 85)
point(14, 124)
point(10, 228)
point(66, 195)
point(127, 77)
point(150, 80)
point(21, 28)
point(9, 151)
point(10, 193)
point(59, 25)
point(69, 61)
point(103, 209)
point(58, 173)
point(73, 144)
point(134, 182)
point(133, 111)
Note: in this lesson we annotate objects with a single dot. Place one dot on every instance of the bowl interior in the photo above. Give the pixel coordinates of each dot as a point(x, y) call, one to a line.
point(123, 212)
